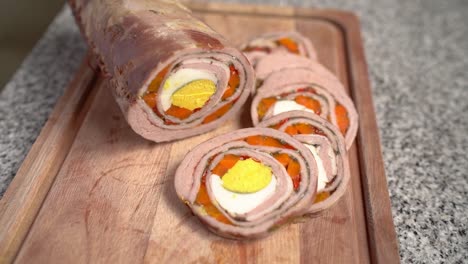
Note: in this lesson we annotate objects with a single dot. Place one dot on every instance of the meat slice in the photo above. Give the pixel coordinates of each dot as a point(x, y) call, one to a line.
point(292, 166)
point(303, 89)
point(328, 147)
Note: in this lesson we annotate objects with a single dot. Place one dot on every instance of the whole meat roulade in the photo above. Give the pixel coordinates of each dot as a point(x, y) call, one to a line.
point(172, 75)
point(328, 148)
point(246, 183)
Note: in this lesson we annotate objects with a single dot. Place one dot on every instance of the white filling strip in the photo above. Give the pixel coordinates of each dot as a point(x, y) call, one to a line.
point(260, 42)
point(288, 105)
point(322, 176)
point(332, 156)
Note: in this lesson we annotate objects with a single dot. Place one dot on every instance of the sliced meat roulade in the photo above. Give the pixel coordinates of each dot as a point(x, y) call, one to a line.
point(248, 182)
point(328, 148)
point(172, 76)
point(278, 42)
point(305, 90)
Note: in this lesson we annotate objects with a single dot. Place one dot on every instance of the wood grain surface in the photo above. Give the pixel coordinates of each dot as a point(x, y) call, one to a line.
point(91, 190)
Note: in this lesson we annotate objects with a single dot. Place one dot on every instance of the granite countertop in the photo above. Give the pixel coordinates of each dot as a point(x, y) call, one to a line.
point(417, 53)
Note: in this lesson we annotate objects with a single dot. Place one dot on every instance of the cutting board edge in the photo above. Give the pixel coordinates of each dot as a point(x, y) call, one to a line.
point(383, 243)
point(29, 187)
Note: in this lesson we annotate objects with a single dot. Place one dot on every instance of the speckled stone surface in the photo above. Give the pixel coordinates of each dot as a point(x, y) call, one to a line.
point(417, 53)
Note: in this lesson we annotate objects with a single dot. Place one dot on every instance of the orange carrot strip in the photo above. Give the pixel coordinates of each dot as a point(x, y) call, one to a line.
point(310, 103)
point(218, 113)
point(306, 128)
point(283, 158)
point(229, 92)
point(178, 112)
point(212, 211)
point(204, 200)
point(294, 170)
point(233, 84)
point(292, 130)
point(321, 197)
point(225, 164)
point(264, 105)
point(202, 196)
point(262, 49)
point(264, 141)
point(156, 82)
point(150, 99)
point(302, 128)
point(290, 44)
point(342, 118)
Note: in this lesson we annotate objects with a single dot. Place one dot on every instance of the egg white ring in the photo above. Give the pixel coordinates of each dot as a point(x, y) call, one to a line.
point(322, 175)
point(282, 106)
point(238, 204)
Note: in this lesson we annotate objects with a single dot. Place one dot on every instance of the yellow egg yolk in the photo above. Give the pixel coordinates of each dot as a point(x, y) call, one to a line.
point(247, 176)
point(194, 95)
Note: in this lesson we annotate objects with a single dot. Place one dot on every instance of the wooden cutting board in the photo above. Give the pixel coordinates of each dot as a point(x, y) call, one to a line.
point(91, 190)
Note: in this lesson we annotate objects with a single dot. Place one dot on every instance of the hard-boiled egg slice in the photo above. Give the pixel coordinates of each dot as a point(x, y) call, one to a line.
point(288, 105)
point(244, 187)
point(247, 176)
point(195, 89)
point(239, 203)
point(194, 94)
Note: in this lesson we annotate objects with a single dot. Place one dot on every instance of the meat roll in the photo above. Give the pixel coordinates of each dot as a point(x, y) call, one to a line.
point(305, 90)
point(246, 183)
point(172, 76)
point(278, 42)
point(328, 148)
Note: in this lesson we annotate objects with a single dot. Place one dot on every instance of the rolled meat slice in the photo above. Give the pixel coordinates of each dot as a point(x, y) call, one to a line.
point(172, 76)
point(305, 90)
point(328, 148)
point(278, 62)
point(278, 42)
point(248, 182)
